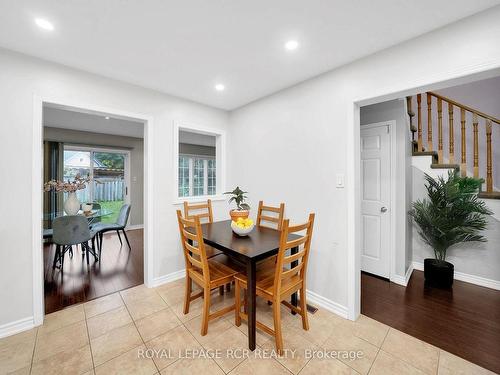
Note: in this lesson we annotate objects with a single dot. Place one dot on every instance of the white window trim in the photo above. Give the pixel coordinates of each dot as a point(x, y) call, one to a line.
point(220, 160)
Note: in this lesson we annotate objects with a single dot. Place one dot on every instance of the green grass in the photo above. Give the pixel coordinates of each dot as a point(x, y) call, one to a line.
point(112, 206)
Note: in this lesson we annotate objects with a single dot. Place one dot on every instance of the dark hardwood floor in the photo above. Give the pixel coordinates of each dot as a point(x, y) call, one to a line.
point(118, 269)
point(464, 321)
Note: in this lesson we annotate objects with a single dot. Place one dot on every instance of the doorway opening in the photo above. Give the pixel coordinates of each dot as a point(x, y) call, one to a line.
point(108, 149)
point(444, 130)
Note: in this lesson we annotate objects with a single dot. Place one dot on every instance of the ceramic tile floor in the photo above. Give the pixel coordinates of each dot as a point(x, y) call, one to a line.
point(108, 335)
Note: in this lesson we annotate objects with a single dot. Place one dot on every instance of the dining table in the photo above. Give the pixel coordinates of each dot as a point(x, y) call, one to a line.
point(259, 244)
point(91, 215)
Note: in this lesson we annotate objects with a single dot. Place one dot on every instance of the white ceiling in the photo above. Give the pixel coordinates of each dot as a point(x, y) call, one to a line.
point(184, 47)
point(90, 122)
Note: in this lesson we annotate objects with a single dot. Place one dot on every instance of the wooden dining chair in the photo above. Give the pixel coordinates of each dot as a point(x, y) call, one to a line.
point(209, 274)
point(205, 214)
point(274, 221)
point(277, 282)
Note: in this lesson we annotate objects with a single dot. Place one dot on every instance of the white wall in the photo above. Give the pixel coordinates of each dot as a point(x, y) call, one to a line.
point(307, 134)
point(22, 77)
point(386, 111)
point(473, 258)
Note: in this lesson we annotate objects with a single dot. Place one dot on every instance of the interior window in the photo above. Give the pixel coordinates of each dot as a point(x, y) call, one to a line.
point(197, 164)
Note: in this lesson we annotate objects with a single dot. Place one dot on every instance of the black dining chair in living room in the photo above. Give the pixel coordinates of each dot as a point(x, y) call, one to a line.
point(69, 231)
point(119, 225)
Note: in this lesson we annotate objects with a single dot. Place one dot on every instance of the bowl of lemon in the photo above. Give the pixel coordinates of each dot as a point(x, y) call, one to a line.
point(242, 227)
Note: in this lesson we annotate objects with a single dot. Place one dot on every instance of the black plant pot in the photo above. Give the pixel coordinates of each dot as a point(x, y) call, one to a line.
point(438, 273)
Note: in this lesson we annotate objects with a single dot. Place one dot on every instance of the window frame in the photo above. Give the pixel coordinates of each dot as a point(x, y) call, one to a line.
point(191, 158)
point(93, 149)
point(220, 152)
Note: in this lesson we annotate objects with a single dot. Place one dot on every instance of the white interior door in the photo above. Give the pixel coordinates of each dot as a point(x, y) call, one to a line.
point(375, 198)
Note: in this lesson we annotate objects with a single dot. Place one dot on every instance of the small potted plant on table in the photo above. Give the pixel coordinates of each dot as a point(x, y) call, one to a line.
point(240, 223)
point(242, 209)
point(452, 214)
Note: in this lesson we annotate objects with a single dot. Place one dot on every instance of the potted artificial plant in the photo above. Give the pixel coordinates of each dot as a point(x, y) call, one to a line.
point(242, 209)
point(451, 214)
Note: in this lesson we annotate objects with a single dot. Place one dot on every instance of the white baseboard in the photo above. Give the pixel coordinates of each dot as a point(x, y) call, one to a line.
point(169, 278)
point(315, 298)
point(20, 325)
point(403, 280)
point(472, 279)
point(327, 304)
point(134, 226)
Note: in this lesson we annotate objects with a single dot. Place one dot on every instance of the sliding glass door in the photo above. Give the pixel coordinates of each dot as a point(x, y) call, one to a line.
point(108, 170)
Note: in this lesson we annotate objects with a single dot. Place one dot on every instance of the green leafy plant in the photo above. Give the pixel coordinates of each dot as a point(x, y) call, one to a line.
point(452, 213)
point(238, 196)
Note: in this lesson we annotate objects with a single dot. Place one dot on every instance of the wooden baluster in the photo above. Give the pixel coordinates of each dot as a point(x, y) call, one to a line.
point(489, 162)
point(451, 132)
point(440, 131)
point(419, 123)
point(463, 165)
point(476, 146)
point(429, 122)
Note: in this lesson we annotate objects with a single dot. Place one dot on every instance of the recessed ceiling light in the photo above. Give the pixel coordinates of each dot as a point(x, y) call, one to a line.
point(106, 118)
point(44, 24)
point(291, 45)
point(220, 87)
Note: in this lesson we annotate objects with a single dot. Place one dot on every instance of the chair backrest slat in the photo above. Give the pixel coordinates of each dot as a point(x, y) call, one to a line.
point(193, 249)
point(294, 257)
point(195, 262)
point(276, 219)
point(202, 210)
point(284, 267)
point(192, 244)
point(190, 235)
point(297, 242)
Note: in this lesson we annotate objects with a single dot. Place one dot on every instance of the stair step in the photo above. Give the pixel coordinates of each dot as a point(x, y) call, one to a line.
point(434, 155)
point(492, 195)
point(445, 166)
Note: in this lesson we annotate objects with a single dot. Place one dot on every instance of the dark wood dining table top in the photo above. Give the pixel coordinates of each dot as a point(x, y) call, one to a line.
point(260, 243)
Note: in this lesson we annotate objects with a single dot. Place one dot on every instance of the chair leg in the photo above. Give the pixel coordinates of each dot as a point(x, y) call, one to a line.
point(245, 300)
point(57, 254)
point(187, 296)
point(62, 257)
point(86, 247)
point(126, 239)
point(303, 310)
point(206, 310)
point(277, 327)
point(93, 247)
point(119, 237)
point(101, 241)
point(237, 302)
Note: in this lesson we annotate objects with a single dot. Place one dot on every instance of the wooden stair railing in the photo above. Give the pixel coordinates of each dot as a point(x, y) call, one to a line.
point(419, 146)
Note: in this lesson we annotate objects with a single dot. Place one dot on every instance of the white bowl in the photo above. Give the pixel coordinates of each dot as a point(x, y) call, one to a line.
point(87, 207)
point(241, 231)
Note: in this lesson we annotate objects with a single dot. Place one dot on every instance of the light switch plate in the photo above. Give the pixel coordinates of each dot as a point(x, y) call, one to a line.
point(339, 183)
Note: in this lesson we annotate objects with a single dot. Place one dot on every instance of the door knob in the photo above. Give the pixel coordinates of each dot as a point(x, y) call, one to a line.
point(383, 209)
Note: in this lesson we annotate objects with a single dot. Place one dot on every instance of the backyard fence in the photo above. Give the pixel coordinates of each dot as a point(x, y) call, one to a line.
point(104, 190)
point(109, 190)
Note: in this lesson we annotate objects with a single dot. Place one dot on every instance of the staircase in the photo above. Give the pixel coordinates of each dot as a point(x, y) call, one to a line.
point(448, 157)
